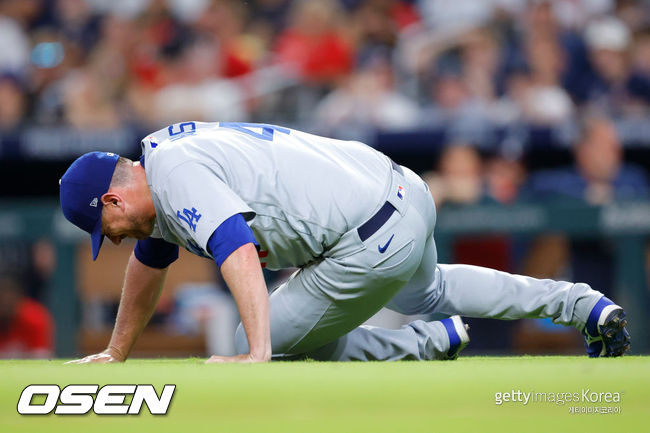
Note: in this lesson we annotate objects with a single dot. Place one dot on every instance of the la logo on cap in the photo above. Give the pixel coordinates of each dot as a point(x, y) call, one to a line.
point(94, 202)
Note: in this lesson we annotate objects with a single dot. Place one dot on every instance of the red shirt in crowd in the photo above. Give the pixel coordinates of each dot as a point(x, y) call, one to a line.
point(319, 58)
point(29, 334)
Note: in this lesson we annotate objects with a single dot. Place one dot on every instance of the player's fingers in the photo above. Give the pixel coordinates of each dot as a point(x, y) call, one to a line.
point(100, 358)
point(245, 359)
point(214, 359)
point(85, 360)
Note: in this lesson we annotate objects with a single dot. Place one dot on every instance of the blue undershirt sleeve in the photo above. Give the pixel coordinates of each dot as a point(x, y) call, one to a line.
point(230, 235)
point(156, 253)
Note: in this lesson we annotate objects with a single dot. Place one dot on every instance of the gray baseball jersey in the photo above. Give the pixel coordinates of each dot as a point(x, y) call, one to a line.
point(299, 192)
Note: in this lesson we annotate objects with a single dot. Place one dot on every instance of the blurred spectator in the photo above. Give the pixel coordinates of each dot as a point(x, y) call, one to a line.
point(14, 18)
point(459, 177)
point(15, 56)
point(13, 107)
point(616, 87)
point(471, 66)
point(545, 101)
point(193, 90)
point(86, 103)
point(479, 53)
point(538, 63)
point(463, 177)
point(504, 178)
point(76, 22)
point(444, 16)
point(42, 267)
point(460, 80)
point(272, 14)
point(635, 14)
point(575, 13)
point(641, 53)
point(376, 23)
point(599, 176)
point(26, 328)
point(115, 57)
point(32, 264)
point(180, 69)
point(453, 107)
point(365, 102)
point(508, 109)
point(53, 59)
point(313, 46)
point(237, 50)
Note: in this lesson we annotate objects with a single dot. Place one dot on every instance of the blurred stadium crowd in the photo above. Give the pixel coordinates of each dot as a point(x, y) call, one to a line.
point(338, 66)
point(497, 101)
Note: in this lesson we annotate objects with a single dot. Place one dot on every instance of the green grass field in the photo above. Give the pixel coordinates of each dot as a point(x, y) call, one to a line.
point(456, 396)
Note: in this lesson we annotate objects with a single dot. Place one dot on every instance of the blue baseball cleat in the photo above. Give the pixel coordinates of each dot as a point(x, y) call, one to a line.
point(458, 337)
point(605, 333)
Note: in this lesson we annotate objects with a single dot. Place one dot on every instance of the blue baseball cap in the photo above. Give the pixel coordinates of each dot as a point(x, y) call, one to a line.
point(81, 190)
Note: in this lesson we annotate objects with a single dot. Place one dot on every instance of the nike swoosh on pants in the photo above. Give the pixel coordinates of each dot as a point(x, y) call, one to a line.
point(381, 249)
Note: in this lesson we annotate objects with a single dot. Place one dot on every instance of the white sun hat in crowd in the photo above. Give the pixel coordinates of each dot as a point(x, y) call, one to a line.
point(607, 34)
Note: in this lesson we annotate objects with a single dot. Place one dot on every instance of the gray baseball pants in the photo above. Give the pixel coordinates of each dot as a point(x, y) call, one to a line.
point(318, 312)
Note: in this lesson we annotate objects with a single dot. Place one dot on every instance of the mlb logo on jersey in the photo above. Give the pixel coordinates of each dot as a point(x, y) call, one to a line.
point(400, 192)
point(152, 142)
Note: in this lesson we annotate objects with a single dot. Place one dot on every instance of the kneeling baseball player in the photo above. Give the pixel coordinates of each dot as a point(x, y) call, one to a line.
point(358, 226)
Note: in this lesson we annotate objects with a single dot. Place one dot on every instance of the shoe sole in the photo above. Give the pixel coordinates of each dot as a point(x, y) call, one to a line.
point(611, 327)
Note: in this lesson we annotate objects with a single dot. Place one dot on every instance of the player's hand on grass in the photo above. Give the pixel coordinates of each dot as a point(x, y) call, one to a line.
point(243, 359)
point(104, 357)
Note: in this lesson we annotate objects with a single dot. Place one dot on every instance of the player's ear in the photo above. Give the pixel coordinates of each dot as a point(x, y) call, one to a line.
point(110, 199)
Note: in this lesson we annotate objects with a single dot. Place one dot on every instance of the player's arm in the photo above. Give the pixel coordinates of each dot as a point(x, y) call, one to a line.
point(233, 247)
point(142, 288)
point(243, 274)
point(213, 219)
point(143, 285)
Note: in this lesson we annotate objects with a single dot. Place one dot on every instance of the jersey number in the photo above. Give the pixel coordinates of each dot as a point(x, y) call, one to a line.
point(266, 133)
point(181, 128)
